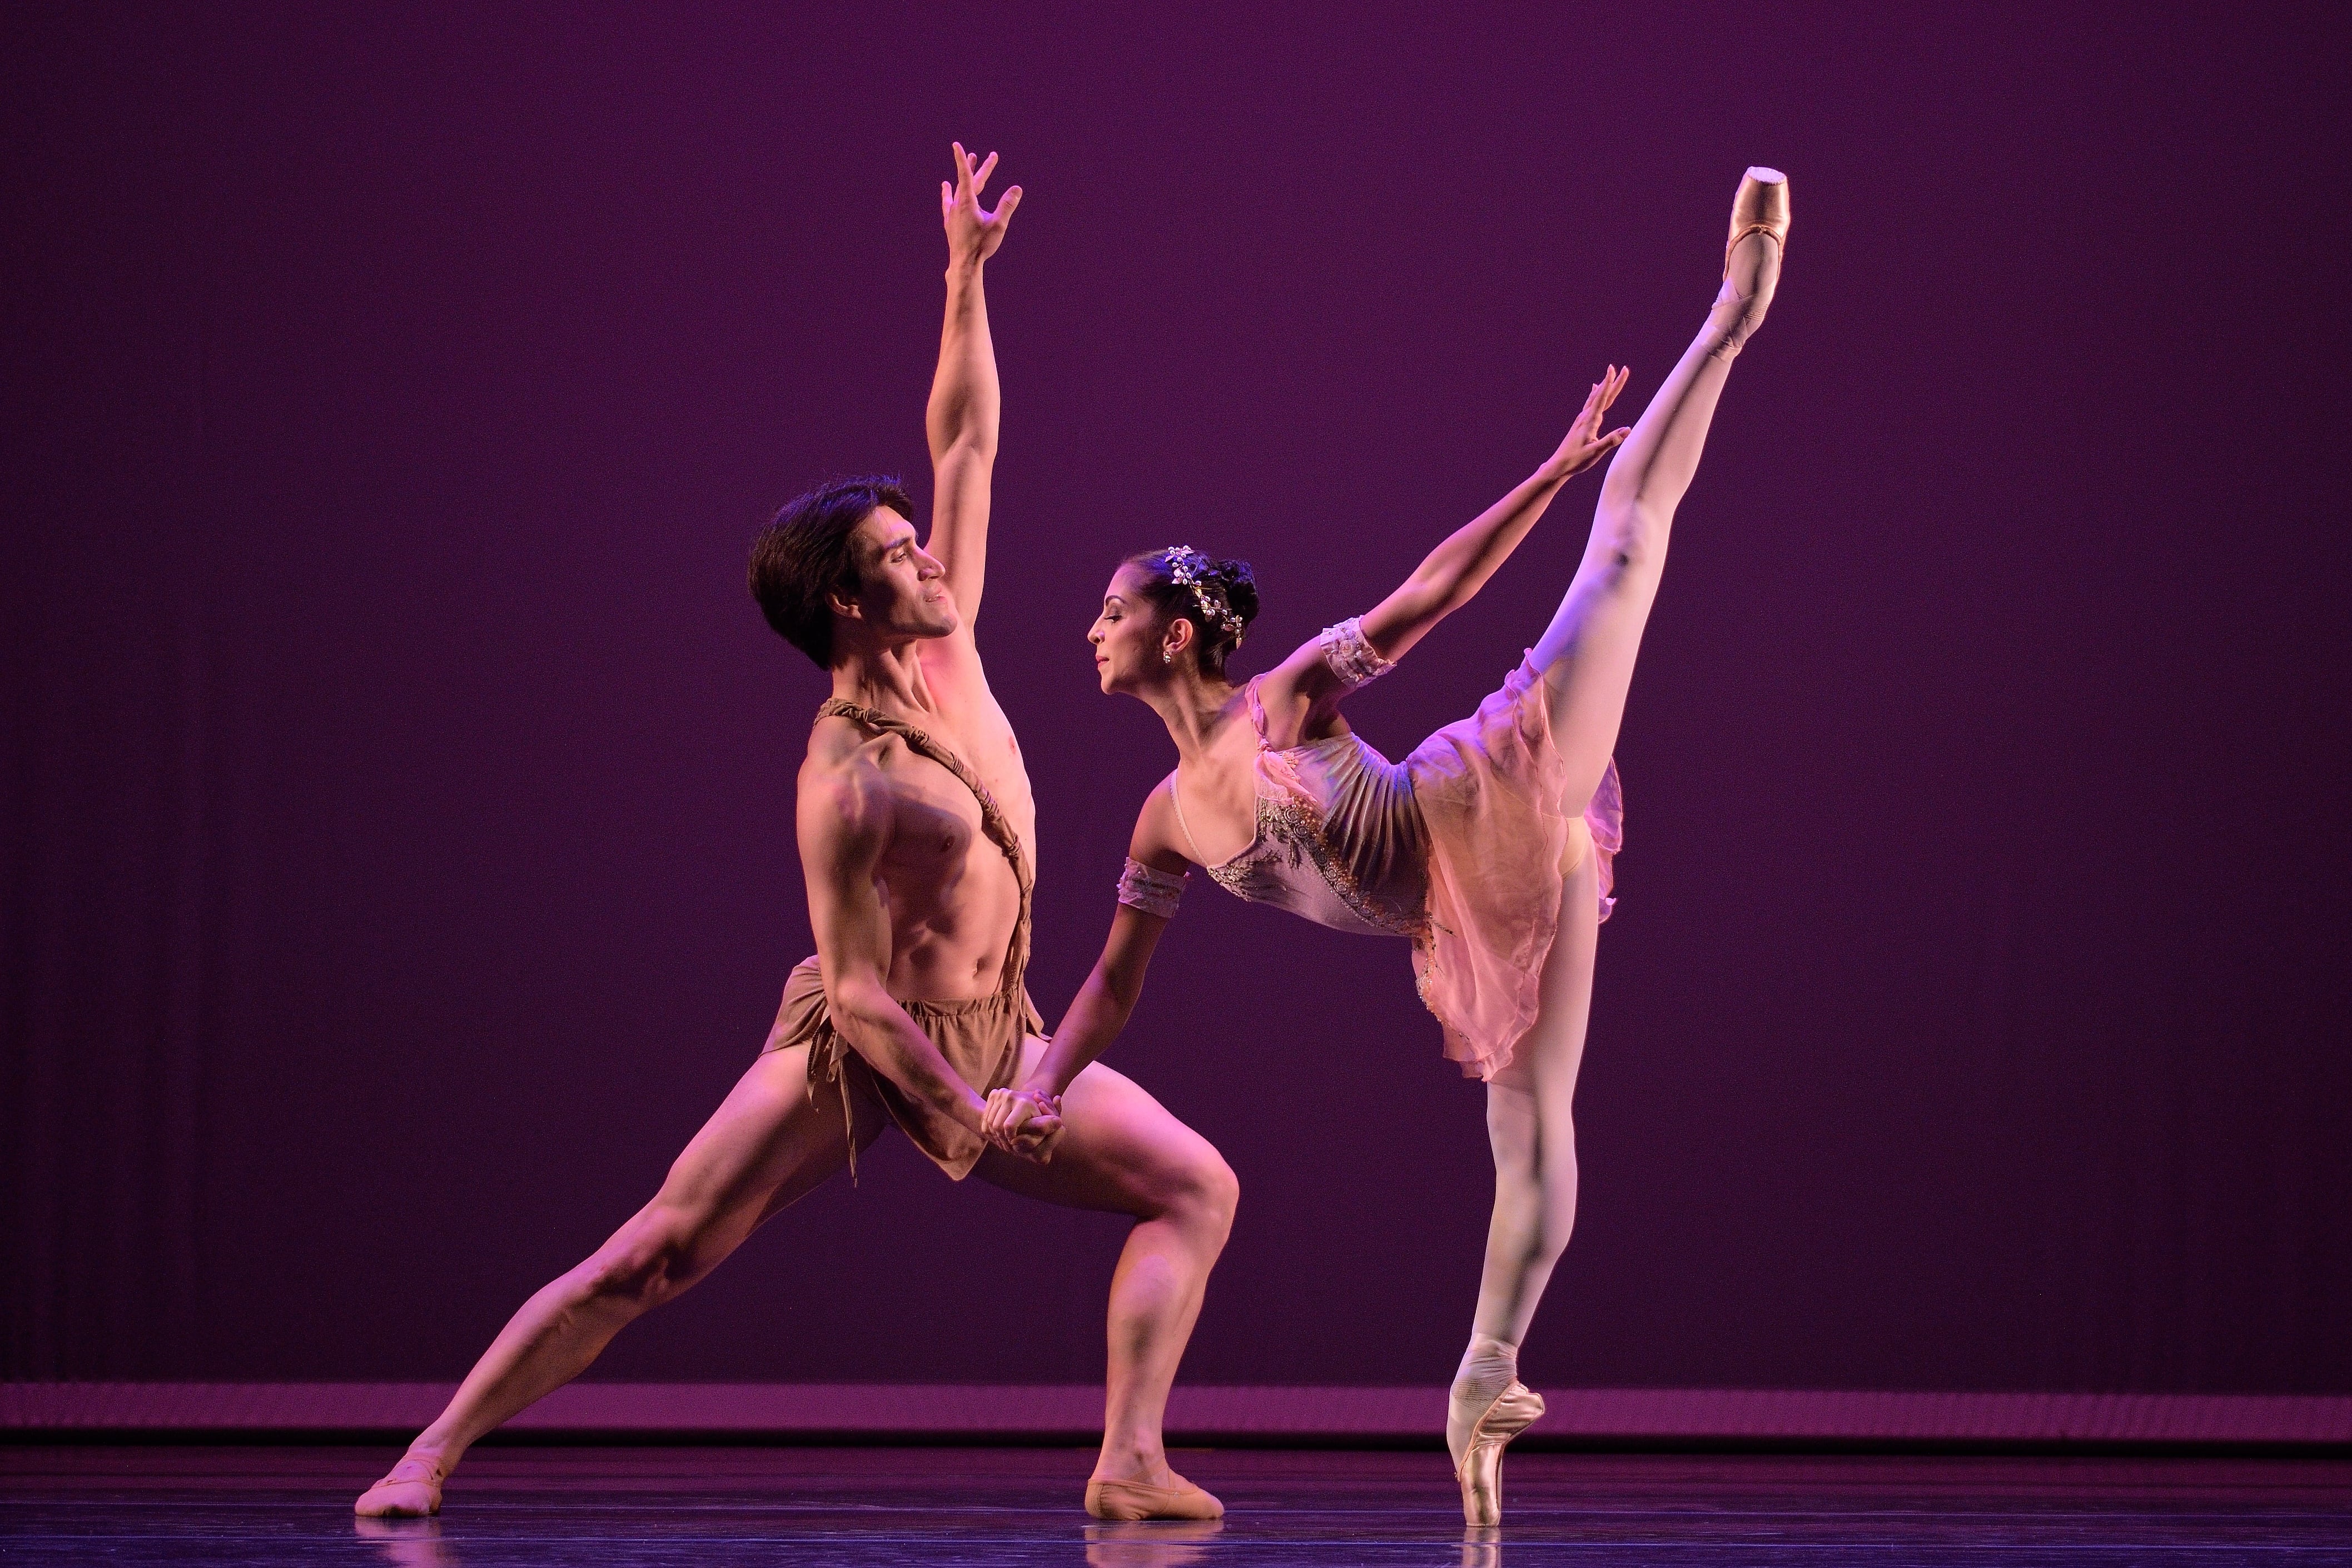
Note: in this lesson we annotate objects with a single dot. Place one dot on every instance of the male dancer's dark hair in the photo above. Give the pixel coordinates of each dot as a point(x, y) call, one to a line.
point(804, 554)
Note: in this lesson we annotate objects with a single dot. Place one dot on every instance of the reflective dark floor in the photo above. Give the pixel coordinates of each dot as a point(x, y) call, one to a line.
point(717, 1507)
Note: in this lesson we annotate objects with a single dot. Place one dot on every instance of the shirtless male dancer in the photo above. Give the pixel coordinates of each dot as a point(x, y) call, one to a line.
point(916, 827)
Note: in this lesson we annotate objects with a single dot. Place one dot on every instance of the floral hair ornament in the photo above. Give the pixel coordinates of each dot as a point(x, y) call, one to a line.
point(1188, 566)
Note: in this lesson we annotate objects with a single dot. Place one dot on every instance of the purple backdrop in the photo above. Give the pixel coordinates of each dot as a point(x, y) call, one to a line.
point(398, 778)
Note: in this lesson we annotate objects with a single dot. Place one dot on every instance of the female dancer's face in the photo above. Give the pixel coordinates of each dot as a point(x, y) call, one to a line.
point(1127, 635)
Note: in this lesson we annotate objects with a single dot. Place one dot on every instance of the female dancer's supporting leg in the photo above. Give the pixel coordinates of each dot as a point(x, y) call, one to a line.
point(1534, 1143)
point(1586, 656)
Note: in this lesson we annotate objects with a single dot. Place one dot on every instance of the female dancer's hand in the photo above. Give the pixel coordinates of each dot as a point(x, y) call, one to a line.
point(1024, 1122)
point(1584, 444)
point(974, 234)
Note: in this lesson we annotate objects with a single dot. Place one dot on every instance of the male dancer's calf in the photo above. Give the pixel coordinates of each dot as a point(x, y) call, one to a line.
point(916, 847)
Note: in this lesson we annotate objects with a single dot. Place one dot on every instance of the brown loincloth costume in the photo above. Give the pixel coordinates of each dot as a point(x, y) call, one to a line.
point(981, 1038)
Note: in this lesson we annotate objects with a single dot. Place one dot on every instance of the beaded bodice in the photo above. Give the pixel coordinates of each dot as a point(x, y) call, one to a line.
point(1339, 838)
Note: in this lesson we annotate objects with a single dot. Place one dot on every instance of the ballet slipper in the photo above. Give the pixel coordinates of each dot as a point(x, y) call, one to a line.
point(1480, 1473)
point(1134, 1500)
point(415, 1495)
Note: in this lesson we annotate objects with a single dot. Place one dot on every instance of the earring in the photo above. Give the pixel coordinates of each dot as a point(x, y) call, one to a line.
point(1167, 655)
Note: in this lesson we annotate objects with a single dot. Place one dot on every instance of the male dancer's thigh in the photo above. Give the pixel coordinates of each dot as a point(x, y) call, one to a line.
point(1121, 1150)
point(770, 1142)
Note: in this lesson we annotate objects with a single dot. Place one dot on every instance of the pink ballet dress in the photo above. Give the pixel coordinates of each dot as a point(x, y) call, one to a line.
point(1460, 848)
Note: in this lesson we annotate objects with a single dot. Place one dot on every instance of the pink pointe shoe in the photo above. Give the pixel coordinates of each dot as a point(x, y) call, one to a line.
point(1133, 1501)
point(1515, 1409)
point(1759, 209)
point(411, 1490)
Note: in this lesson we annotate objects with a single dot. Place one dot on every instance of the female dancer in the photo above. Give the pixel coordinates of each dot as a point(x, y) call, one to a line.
point(1473, 847)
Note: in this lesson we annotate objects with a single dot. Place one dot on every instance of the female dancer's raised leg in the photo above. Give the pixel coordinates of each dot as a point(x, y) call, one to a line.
point(1586, 656)
point(1587, 653)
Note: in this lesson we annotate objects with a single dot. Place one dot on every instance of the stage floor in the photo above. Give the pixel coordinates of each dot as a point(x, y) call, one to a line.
point(133, 1506)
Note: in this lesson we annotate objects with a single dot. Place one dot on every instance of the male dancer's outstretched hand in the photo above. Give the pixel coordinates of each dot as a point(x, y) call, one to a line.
point(973, 233)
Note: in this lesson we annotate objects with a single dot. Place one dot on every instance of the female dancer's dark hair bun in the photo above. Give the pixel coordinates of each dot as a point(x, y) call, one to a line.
point(1219, 597)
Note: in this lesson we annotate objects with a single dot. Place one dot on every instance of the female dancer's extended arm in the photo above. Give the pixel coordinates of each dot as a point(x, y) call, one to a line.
point(1099, 1011)
point(1451, 575)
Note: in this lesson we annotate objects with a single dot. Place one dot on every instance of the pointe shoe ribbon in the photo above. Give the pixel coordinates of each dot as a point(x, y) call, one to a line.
point(1515, 1409)
point(1134, 1500)
point(1761, 207)
point(416, 1495)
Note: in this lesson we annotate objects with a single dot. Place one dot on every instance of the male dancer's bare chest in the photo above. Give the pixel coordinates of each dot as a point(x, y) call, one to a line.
point(940, 839)
point(985, 742)
point(953, 895)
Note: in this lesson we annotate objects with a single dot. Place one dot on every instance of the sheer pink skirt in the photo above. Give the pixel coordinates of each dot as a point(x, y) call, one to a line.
point(1489, 790)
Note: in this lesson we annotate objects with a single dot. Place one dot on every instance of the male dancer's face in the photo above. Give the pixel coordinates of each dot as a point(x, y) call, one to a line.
point(902, 591)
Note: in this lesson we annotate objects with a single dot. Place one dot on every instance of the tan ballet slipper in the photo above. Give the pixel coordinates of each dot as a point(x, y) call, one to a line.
point(1515, 1409)
point(410, 1490)
point(1134, 1500)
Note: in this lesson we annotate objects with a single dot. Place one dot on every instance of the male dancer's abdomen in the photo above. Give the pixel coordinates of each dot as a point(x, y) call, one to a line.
point(951, 923)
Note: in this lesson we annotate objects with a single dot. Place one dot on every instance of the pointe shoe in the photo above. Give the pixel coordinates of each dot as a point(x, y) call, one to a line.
point(1515, 1409)
point(416, 1495)
point(1761, 207)
point(1133, 1499)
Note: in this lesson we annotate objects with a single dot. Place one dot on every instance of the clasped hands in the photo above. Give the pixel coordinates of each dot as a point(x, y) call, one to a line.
point(1024, 1121)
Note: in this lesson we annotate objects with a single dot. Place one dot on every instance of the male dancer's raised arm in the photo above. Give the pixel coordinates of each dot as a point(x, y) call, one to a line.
point(965, 403)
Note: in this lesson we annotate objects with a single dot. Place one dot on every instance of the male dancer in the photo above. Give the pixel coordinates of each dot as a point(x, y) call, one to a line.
point(915, 823)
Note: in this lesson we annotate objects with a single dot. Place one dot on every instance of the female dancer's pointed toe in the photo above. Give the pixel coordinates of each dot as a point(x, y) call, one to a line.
point(1751, 273)
point(411, 1490)
point(1134, 1500)
point(1761, 207)
point(1480, 1473)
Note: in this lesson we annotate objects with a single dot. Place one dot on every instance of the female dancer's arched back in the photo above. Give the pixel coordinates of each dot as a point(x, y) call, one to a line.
point(1488, 846)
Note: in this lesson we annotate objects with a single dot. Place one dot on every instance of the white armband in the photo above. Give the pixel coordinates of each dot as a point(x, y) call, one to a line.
point(1349, 656)
point(1153, 892)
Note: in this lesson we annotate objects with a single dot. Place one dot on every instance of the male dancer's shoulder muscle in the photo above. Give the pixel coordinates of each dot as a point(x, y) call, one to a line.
point(843, 816)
